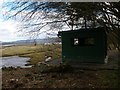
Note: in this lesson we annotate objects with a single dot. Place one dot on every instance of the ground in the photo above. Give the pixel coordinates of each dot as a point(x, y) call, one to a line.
point(35, 78)
point(63, 76)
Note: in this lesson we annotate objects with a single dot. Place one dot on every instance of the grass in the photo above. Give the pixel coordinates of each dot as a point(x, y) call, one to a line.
point(44, 76)
point(36, 53)
point(18, 50)
point(35, 57)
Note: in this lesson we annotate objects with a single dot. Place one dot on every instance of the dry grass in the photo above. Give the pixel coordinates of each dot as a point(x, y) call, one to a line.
point(36, 53)
point(18, 50)
point(33, 78)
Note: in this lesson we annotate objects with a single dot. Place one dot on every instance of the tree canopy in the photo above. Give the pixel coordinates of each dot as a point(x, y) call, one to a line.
point(68, 15)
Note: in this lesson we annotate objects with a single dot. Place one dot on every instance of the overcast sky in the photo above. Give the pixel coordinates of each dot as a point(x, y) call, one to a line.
point(8, 28)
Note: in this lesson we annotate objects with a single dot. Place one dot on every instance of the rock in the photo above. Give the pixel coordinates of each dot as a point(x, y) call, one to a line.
point(106, 60)
point(13, 80)
point(48, 59)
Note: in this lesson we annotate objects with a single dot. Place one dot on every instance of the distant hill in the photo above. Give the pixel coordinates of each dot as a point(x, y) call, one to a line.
point(28, 42)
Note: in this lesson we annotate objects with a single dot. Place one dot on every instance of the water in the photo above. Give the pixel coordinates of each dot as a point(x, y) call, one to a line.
point(14, 61)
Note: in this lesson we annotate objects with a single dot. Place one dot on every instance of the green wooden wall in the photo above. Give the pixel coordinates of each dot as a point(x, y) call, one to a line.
point(94, 51)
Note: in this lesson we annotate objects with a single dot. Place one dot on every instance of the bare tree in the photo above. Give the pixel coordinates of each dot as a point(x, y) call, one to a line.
point(58, 15)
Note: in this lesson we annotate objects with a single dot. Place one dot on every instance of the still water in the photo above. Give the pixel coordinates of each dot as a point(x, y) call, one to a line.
point(14, 61)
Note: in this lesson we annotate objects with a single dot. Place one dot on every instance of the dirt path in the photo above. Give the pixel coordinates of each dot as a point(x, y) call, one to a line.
point(113, 57)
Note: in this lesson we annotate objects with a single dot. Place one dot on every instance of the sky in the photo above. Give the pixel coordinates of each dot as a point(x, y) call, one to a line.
point(8, 31)
point(8, 28)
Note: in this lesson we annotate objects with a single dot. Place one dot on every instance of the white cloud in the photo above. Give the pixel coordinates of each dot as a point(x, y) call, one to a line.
point(8, 30)
point(5, 35)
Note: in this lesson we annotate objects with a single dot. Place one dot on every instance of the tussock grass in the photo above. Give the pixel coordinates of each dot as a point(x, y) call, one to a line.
point(35, 57)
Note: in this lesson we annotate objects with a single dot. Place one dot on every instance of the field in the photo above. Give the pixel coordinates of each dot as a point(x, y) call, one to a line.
point(63, 76)
point(36, 53)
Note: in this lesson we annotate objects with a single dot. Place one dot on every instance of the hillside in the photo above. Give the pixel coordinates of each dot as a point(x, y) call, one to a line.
point(31, 41)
